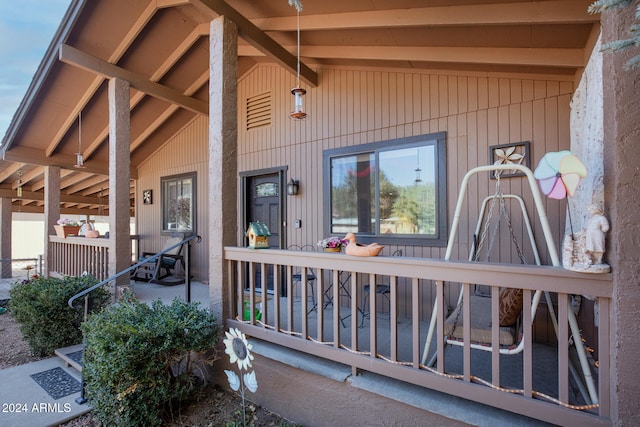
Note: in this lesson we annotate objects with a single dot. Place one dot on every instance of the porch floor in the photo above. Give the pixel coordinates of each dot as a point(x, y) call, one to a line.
point(545, 360)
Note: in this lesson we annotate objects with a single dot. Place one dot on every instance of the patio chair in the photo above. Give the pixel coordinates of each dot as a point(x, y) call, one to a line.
point(310, 274)
point(382, 289)
point(163, 267)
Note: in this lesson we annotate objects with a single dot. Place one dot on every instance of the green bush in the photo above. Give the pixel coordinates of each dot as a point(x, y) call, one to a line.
point(46, 320)
point(139, 361)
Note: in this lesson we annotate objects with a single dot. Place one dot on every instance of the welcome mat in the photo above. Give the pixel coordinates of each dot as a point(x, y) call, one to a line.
point(57, 383)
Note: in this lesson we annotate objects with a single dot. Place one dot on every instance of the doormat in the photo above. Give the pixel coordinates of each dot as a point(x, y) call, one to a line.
point(76, 356)
point(57, 383)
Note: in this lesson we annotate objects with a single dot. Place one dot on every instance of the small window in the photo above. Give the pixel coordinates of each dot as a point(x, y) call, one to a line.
point(393, 191)
point(178, 203)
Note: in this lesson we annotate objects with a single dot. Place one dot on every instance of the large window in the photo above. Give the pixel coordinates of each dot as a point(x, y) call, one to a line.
point(393, 191)
point(178, 203)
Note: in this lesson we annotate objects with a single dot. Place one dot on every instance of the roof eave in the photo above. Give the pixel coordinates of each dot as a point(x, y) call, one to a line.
point(50, 58)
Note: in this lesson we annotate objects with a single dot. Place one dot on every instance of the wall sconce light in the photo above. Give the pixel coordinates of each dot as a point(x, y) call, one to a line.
point(292, 187)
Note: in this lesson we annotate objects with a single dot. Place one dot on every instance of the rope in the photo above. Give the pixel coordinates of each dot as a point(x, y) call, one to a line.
point(473, 378)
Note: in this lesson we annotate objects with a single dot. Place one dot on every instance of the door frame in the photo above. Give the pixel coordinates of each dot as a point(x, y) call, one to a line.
point(282, 200)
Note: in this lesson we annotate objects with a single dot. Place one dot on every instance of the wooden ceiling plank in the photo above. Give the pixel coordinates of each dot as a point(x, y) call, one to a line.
point(122, 47)
point(259, 39)
point(476, 55)
point(71, 55)
point(93, 180)
point(29, 176)
point(164, 116)
point(200, 31)
point(39, 184)
point(539, 12)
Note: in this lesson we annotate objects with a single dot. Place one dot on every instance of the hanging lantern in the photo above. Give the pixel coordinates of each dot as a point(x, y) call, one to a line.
point(298, 112)
point(298, 92)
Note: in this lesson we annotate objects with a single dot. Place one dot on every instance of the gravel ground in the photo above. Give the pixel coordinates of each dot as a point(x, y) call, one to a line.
point(213, 407)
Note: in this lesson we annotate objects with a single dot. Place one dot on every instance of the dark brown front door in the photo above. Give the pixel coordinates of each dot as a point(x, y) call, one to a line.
point(263, 203)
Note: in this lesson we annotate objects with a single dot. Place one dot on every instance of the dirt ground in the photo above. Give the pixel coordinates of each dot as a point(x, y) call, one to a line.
point(213, 407)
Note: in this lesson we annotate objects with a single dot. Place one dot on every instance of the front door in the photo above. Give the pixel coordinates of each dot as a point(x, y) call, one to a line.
point(263, 201)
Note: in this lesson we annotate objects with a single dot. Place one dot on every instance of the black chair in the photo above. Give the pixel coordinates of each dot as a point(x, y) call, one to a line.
point(160, 269)
point(311, 277)
point(382, 289)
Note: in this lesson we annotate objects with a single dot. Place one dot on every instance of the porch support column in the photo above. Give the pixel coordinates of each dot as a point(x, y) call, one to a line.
point(5, 236)
point(223, 168)
point(119, 176)
point(51, 208)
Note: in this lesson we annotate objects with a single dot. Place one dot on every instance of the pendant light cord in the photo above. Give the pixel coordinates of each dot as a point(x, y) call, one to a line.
point(298, 13)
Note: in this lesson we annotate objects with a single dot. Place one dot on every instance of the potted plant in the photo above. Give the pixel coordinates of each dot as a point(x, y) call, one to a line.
point(332, 244)
point(66, 227)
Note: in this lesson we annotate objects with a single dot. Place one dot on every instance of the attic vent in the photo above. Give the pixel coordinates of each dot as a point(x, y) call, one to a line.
point(259, 111)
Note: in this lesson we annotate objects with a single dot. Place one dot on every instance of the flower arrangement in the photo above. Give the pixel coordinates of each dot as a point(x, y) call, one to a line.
point(333, 243)
point(66, 222)
point(239, 351)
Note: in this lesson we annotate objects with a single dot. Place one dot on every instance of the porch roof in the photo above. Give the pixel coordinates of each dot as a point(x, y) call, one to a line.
point(161, 47)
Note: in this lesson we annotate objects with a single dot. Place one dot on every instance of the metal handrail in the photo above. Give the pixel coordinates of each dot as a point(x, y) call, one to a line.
point(138, 264)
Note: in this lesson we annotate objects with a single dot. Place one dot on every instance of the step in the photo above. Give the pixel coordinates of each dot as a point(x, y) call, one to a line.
point(72, 356)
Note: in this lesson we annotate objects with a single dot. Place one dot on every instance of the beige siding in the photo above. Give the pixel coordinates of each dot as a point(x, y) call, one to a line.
point(351, 107)
point(186, 152)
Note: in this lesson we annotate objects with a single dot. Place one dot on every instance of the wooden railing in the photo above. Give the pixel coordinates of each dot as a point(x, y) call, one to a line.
point(289, 318)
point(72, 256)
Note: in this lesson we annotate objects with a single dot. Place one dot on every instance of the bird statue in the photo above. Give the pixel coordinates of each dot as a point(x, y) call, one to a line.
point(358, 249)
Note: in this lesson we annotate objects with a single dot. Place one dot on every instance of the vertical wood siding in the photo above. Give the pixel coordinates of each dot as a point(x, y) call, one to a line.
point(186, 152)
point(352, 107)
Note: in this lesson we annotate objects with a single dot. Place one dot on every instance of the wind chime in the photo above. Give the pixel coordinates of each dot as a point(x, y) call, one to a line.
point(298, 92)
point(79, 160)
point(19, 188)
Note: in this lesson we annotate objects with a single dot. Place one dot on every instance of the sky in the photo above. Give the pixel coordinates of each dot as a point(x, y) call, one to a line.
point(26, 29)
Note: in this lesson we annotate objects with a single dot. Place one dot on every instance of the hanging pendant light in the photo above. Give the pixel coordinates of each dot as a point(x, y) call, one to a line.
point(79, 160)
point(298, 92)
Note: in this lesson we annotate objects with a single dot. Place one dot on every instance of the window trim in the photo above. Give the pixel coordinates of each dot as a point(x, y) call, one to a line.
point(163, 203)
point(439, 142)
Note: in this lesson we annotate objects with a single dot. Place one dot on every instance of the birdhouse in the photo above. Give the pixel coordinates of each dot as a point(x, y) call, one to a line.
point(258, 234)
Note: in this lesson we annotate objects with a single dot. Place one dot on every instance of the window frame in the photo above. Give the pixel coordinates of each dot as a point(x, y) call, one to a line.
point(438, 141)
point(166, 180)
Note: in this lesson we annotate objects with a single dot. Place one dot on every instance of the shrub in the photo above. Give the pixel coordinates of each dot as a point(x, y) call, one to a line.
point(46, 320)
point(139, 361)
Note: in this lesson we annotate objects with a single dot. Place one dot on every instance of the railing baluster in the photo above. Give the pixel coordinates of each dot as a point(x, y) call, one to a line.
point(466, 331)
point(495, 336)
point(527, 356)
point(393, 317)
point(563, 349)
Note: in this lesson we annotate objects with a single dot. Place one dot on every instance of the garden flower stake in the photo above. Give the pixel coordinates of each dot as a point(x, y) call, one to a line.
point(239, 351)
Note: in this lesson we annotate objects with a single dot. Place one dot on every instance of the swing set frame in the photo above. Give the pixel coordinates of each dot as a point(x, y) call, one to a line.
point(590, 394)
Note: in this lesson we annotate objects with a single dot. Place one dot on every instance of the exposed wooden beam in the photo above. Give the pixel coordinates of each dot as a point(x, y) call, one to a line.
point(73, 56)
point(29, 176)
point(39, 195)
point(164, 116)
point(258, 38)
point(117, 53)
point(39, 184)
point(200, 31)
point(37, 157)
point(472, 55)
point(539, 12)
